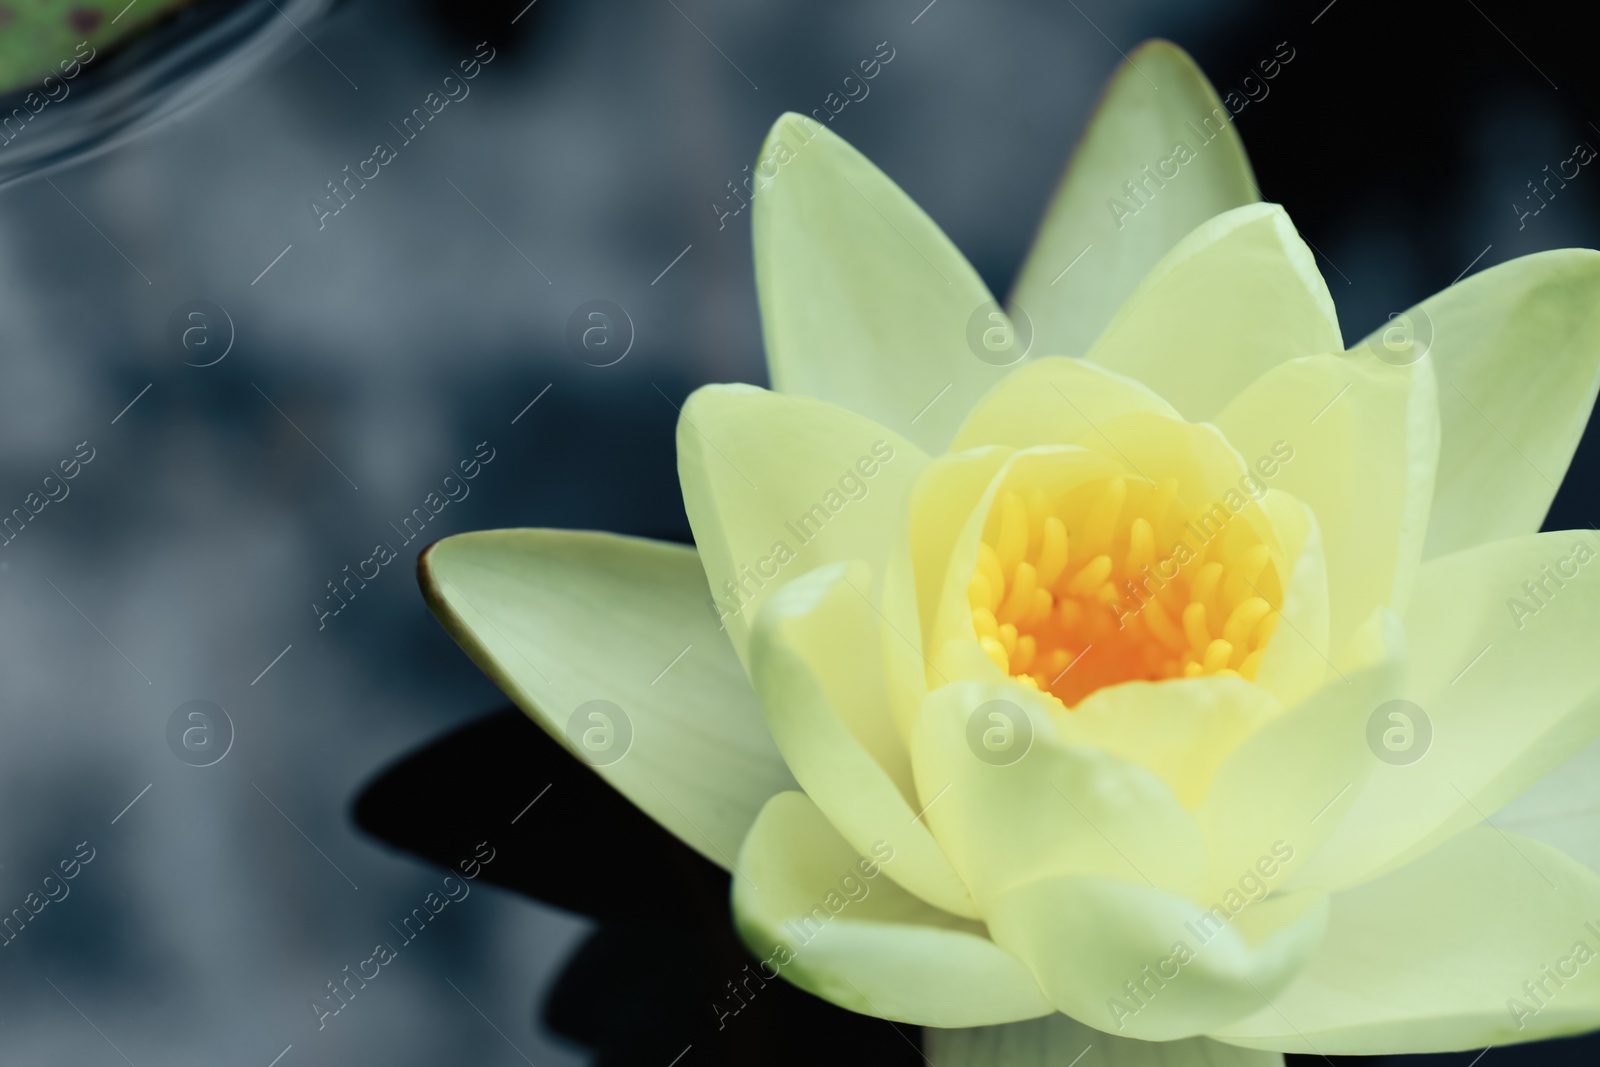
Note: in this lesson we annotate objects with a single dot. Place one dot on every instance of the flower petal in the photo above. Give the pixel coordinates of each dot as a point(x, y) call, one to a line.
point(817, 659)
point(1362, 442)
point(946, 520)
point(1561, 809)
point(1181, 729)
point(1229, 302)
point(1153, 965)
point(1042, 808)
point(538, 611)
point(864, 301)
point(1059, 1039)
point(1433, 957)
point(1054, 401)
point(815, 911)
point(1283, 789)
point(1154, 102)
point(1500, 698)
point(1517, 352)
point(776, 486)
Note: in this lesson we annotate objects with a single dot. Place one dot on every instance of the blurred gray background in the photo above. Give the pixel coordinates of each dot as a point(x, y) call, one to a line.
point(379, 351)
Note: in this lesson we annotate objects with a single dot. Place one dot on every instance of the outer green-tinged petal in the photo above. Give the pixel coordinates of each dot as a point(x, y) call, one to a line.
point(1058, 1040)
point(1055, 401)
point(1563, 810)
point(1057, 810)
point(1287, 788)
point(1232, 300)
point(817, 661)
point(864, 301)
point(1517, 352)
point(538, 610)
point(776, 486)
point(1365, 441)
point(1507, 699)
point(804, 902)
point(1433, 957)
point(1156, 101)
point(1134, 960)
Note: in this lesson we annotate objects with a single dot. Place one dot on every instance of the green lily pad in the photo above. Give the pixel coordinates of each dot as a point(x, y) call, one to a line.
point(39, 38)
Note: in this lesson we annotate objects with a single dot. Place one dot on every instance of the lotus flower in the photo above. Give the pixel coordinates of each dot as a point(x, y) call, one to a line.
point(1136, 659)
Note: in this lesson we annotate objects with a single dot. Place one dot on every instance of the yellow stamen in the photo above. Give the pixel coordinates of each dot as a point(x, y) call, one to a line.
point(1092, 577)
point(1194, 627)
point(1101, 522)
point(1008, 637)
point(1252, 664)
point(1241, 581)
point(1155, 617)
point(1141, 545)
point(1052, 551)
point(989, 567)
point(1042, 603)
point(1019, 600)
point(1216, 657)
point(1244, 619)
point(984, 623)
point(1012, 543)
point(1087, 587)
point(1204, 590)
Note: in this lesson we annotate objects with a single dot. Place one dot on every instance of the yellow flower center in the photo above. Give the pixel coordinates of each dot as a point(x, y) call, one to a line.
point(1114, 581)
